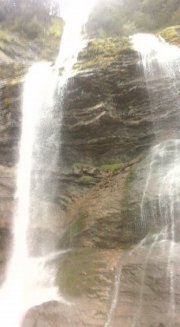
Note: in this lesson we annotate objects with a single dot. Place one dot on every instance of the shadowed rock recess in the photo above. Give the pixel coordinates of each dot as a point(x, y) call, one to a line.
point(115, 272)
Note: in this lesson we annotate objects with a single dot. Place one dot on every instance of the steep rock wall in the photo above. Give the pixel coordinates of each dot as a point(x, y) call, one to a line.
point(107, 119)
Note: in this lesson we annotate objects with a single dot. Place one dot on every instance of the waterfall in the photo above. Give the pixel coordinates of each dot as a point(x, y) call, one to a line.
point(161, 194)
point(30, 281)
point(161, 62)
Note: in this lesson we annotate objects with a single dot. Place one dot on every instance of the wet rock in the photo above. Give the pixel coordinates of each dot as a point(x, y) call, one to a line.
point(103, 109)
point(147, 292)
point(85, 293)
point(131, 287)
point(107, 118)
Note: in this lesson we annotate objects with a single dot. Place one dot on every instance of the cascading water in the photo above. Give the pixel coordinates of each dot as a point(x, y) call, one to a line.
point(160, 200)
point(161, 61)
point(29, 280)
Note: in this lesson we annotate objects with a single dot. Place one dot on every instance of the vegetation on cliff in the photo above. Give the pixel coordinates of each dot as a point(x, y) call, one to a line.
point(171, 34)
point(113, 18)
point(102, 52)
point(29, 30)
point(9, 7)
point(112, 22)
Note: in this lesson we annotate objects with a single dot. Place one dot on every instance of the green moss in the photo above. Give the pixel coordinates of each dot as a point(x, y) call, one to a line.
point(106, 47)
point(112, 167)
point(86, 179)
point(171, 34)
point(102, 52)
point(106, 167)
point(78, 273)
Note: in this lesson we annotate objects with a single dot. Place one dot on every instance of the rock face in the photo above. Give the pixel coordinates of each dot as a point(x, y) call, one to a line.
point(140, 294)
point(107, 116)
point(119, 271)
point(145, 295)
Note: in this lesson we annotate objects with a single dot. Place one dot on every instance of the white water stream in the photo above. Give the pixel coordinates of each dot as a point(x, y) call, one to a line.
point(162, 61)
point(29, 281)
point(160, 200)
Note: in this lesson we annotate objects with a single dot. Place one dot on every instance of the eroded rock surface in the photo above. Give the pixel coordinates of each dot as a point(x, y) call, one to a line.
point(119, 271)
point(107, 115)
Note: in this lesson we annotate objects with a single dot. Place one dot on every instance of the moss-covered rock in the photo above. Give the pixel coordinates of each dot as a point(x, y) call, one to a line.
point(112, 167)
point(93, 169)
point(102, 52)
point(171, 34)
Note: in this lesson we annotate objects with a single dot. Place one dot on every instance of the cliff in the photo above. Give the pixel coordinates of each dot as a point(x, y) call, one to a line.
point(106, 133)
